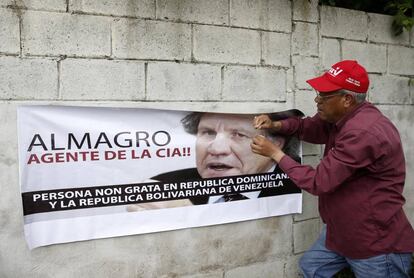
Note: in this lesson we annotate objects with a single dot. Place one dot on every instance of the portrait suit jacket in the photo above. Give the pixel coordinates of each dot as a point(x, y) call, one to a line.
point(192, 174)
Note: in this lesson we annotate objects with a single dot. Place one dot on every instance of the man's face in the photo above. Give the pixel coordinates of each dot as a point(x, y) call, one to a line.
point(223, 146)
point(330, 106)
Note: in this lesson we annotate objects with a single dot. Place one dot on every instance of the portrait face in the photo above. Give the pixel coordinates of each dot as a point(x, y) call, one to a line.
point(223, 146)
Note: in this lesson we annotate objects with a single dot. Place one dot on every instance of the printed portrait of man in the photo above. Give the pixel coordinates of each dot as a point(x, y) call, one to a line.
point(222, 149)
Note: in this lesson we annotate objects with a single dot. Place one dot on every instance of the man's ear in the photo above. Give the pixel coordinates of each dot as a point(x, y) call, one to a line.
point(348, 101)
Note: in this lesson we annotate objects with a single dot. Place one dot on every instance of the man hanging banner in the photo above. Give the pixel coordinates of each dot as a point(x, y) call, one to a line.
point(90, 172)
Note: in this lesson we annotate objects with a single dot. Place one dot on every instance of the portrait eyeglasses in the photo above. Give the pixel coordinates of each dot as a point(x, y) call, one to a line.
point(323, 97)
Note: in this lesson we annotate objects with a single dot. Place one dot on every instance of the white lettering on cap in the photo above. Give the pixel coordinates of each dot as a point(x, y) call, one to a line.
point(353, 81)
point(334, 72)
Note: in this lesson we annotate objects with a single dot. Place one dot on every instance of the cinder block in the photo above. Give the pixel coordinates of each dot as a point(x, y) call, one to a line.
point(309, 207)
point(254, 83)
point(272, 237)
point(281, 235)
point(226, 45)
point(265, 269)
point(146, 39)
point(311, 149)
point(11, 206)
point(273, 15)
point(292, 267)
point(276, 49)
point(222, 246)
point(209, 12)
point(290, 99)
point(304, 234)
point(212, 274)
point(132, 8)
point(139, 265)
point(84, 254)
point(28, 78)
point(312, 160)
point(305, 68)
point(290, 84)
point(304, 101)
point(305, 10)
point(344, 23)
point(409, 208)
point(9, 32)
point(412, 90)
point(46, 5)
point(330, 53)
point(46, 33)
point(209, 106)
point(400, 60)
point(103, 267)
point(102, 79)
point(8, 144)
point(372, 56)
point(403, 120)
point(389, 89)
point(305, 39)
point(11, 221)
point(173, 81)
point(380, 30)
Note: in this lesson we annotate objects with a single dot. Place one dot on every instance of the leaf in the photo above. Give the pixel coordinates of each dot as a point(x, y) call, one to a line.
point(402, 10)
point(397, 28)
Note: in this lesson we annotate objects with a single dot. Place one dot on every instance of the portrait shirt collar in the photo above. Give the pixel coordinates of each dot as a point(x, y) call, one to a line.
point(250, 195)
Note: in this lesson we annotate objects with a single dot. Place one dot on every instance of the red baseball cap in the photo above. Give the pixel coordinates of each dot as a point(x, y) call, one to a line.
point(347, 74)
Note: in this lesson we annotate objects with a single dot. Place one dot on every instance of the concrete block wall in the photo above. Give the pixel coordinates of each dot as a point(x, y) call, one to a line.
point(219, 55)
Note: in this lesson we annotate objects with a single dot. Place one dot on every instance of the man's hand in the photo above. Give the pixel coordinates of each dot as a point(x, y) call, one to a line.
point(264, 122)
point(263, 146)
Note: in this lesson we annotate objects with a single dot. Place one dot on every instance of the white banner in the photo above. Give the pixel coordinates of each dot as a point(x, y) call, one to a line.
point(90, 172)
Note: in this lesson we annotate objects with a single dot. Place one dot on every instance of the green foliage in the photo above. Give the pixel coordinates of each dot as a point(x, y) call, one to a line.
point(403, 15)
point(402, 10)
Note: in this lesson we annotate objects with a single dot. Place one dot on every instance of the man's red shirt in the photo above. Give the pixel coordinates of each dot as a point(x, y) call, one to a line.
point(359, 181)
